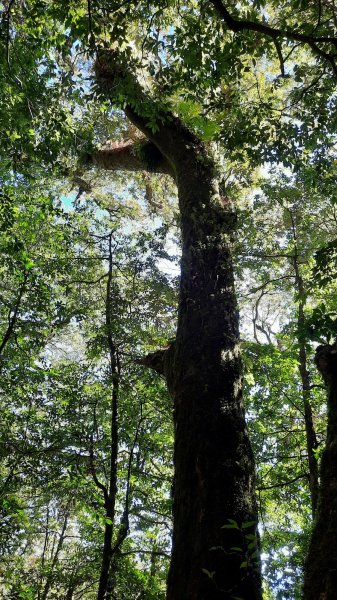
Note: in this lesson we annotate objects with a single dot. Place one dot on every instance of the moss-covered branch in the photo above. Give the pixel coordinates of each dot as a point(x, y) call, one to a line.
point(130, 155)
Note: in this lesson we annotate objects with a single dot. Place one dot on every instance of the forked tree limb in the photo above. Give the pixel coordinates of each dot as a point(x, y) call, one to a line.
point(173, 141)
point(273, 32)
point(315, 42)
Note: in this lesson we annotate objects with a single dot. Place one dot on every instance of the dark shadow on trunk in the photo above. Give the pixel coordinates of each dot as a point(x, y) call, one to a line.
point(320, 582)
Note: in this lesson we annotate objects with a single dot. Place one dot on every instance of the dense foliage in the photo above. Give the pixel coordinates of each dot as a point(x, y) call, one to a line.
point(89, 277)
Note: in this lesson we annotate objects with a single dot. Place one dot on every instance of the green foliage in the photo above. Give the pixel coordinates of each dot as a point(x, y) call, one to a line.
point(56, 396)
point(322, 324)
point(277, 431)
point(324, 271)
point(258, 105)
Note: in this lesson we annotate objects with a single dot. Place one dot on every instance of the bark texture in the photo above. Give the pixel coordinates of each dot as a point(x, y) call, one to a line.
point(320, 581)
point(213, 461)
point(215, 544)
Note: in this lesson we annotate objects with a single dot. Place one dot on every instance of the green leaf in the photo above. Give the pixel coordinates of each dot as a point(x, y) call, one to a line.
point(209, 574)
point(248, 524)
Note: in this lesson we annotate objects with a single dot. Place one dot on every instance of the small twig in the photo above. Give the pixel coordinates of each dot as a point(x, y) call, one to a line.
point(152, 552)
point(283, 483)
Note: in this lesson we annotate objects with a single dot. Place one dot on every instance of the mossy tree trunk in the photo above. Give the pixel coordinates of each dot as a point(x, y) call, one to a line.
point(320, 582)
point(215, 544)
point(214, 471)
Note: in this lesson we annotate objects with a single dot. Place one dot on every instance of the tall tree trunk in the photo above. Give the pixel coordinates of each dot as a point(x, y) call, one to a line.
point(70, 593)
point(111, 490)
point(310, 432)
point(106, 557)
point(214, 470)
point(320, 582)
point(215, 544)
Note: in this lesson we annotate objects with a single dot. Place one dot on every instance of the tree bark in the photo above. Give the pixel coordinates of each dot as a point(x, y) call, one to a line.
point(215, 542)
point(320, 582)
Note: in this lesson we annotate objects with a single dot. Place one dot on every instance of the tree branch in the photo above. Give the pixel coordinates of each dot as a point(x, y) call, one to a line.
point(152, 552)
point(280, 56)
point(13, 314)
point(282, 483)
point(242, 24)
point(130, 155)
point(237, 25)
point(179, 148)
point(154, 360)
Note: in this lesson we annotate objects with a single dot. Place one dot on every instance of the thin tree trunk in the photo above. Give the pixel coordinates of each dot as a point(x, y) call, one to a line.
point(59, 546)
point(110, 553)
point(311, 439)
point(71, 585)
point(215, 543)
point(70, 593)
point(320, 581)
point(310, 432)
point(44, 552)
point(124, 524)
point(106, 559)
point(110, 495)
point(13, 316)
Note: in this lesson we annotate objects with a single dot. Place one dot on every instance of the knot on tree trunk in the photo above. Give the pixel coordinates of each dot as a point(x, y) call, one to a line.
point(161, 361)
point(154, 360)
